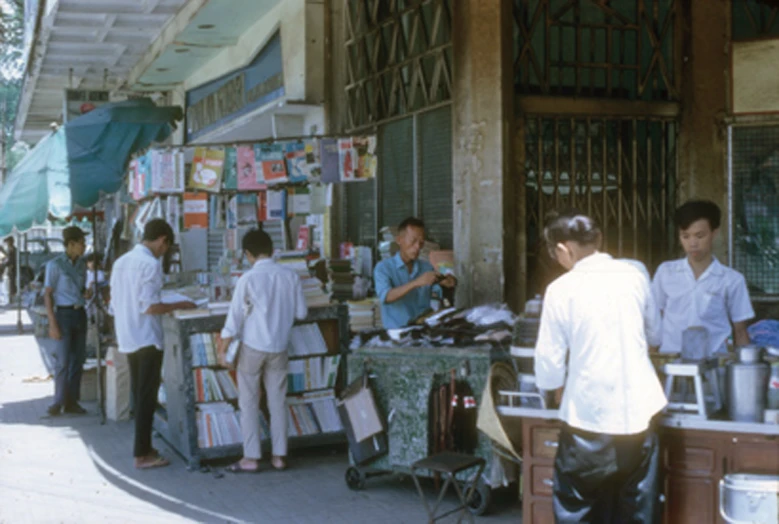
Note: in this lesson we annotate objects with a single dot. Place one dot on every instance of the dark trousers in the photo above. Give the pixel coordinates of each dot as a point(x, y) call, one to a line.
point(69, 356)
point(606, 478)
point(145, 367)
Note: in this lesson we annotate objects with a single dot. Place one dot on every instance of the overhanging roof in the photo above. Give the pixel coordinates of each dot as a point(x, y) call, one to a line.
point(84, 44)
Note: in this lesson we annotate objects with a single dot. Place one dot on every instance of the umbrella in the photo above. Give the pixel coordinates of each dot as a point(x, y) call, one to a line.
point(81, 160)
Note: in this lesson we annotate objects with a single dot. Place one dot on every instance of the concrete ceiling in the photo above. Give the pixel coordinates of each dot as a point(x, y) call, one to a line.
point(102, 43)
point(85, 44)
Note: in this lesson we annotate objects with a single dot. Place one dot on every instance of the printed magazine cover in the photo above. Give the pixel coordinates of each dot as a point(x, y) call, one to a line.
point(195, 210)
point(247, 172)
point(167, 171)
point(230, 178)
point(274, 168)
point(313, 160)
point(297, 162)
point(365, 157)
point(207, 166)
point(346, 159)
point(328, 155)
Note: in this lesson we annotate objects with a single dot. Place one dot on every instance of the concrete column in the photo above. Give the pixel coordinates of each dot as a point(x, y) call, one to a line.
point(705, 81)
point(484, 197)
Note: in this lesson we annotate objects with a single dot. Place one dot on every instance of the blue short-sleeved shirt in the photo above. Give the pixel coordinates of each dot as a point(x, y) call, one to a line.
point(67, 280)
point(392, 273)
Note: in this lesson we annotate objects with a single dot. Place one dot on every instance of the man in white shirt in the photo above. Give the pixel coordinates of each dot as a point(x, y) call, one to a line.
point(698, 291)
point(136, 284)
point(267, 300)
point(597, 322)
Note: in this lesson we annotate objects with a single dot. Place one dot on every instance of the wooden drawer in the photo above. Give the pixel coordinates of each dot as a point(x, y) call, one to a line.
point(544, 442)
point(539, 511)
point(755, 454)
point(691, 456)
point(541, 478)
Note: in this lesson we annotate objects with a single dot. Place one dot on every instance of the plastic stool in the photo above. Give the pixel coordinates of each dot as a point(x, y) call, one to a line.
point(695, 371)
point(448, 464)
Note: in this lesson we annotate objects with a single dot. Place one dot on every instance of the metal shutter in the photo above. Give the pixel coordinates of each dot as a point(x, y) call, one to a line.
point(361, 213)
point(396, 171)
point(435, 174)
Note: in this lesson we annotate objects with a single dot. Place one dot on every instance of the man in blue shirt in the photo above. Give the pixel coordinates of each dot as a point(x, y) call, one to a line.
point(64, 298)
point(404, 284)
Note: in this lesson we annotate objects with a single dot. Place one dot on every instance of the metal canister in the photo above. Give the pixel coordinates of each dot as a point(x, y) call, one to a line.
point(746, 498)
point(747, 388)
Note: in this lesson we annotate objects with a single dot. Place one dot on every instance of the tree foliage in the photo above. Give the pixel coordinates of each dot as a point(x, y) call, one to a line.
point(11, 72)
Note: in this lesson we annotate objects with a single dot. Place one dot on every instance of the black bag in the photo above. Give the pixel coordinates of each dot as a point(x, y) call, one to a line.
point(452, 416)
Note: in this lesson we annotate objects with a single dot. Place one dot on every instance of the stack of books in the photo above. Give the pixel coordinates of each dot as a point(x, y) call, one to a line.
point(363, 315)
point(203, 348)
point(213, 385)
point(306, 339)
point(217, 425)
point(312, 373)
point(313, 413)
point(313, 288)
point(341, 279)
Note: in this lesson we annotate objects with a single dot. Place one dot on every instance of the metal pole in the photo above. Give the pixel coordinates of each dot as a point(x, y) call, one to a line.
point(18, 297)
point(98, 313)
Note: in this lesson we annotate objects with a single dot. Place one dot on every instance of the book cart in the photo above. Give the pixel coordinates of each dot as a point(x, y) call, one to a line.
point(199, 417)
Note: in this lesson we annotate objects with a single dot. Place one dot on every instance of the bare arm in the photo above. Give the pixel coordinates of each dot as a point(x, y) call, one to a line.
point(740, 335)
point(48, 300)
point(162, 309)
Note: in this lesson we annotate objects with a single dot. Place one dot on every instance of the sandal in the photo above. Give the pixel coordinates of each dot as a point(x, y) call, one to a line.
point(157, 462)
point(238, 468)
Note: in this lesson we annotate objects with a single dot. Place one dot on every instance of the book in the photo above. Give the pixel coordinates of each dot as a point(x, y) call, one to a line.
point(230, 177)
point(299, 201)
point(297, 162)
point(364, 157)
point(262, 206)
point(247, 171)
point(346, 160)
point(274, 168)
point(306, 339)
point(173, 215)
point(304, 238)
point(247, 209)
point(195, 210)
point(207, 166)
point(313, 160)
point(167, 171)
point(277, 204)
point(328, 156)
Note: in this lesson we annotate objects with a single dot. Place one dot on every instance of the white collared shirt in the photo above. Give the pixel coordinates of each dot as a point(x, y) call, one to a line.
point(136, 284)
point(717, 298)
point(267, 300)
point(601, 315)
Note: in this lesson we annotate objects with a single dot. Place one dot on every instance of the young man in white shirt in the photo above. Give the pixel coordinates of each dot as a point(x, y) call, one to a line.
point(136, 285)
point(597, 322)
point(698, 291)
point(267, 300)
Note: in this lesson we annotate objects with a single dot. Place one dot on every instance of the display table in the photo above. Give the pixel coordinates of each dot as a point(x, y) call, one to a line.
point(695, 455)
point(402, 379)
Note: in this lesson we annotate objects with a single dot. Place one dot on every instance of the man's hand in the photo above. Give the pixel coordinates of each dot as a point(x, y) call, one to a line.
point(558, 396)
point(449, 281)
point(221, 348)
point(426, 279)
point(54, 331)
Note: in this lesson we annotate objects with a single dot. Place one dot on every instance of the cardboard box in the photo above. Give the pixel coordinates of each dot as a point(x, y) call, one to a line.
point(117, 404)
point(363, 415)
point(89, 381)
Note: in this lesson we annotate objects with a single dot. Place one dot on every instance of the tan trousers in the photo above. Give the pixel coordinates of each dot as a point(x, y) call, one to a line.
point(255, 369)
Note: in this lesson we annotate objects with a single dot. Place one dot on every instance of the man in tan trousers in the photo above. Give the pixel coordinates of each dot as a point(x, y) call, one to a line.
point(267, 300)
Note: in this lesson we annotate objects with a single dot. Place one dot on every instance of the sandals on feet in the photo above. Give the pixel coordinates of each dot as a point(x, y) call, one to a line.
point(157, 462)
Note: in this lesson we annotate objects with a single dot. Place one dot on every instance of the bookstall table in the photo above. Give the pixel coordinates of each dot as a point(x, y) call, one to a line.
point(176, 420)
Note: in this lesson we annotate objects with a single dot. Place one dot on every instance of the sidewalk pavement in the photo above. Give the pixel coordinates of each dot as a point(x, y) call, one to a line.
point(73, 469)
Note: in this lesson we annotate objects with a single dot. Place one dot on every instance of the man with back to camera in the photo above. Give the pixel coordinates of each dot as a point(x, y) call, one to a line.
point(64, 288)
point(136, 286)
point(267, 300)
point(404, 284)
point(698, 291)
point(597, 322)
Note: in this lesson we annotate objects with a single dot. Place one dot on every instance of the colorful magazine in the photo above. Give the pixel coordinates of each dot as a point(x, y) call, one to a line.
point(313, 160)
point(346, 160)
point(167, 171)
point(195, 210)
point(230, 178)
point(365, 157)
point(207, 167)
point(274, 169)
point(247, 172)
point(328, 156)
point(297, 162)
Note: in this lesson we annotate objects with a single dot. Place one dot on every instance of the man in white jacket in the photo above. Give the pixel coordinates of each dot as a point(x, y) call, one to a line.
point(597, 324)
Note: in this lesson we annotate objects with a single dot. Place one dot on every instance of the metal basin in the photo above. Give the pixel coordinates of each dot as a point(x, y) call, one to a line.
point(749, 499)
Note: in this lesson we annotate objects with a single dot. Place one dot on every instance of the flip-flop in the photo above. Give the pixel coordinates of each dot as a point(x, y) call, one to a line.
point(158, 462)
point(237, 468)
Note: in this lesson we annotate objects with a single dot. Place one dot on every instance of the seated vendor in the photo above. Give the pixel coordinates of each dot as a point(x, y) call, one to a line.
point(405, 284)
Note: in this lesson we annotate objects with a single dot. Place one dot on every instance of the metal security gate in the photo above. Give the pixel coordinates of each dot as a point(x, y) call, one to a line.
point(620, 170)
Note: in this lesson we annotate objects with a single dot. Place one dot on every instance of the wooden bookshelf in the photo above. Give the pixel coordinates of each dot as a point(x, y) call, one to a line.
point(176, 422)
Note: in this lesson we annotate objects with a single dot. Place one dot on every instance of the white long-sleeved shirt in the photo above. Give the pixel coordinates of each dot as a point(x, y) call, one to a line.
point(136, 284)
point(717, 298)
point(602, 316)
point(267, 300)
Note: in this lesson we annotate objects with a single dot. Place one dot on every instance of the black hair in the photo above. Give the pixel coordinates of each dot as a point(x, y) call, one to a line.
point(570, 225)
point(410, 222)
point(94, 257)
point(258, 243)
point(694, 210)
point(72, 234)
point(157, 228)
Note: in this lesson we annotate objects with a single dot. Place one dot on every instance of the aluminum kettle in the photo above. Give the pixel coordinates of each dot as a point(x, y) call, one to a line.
point(747, 385)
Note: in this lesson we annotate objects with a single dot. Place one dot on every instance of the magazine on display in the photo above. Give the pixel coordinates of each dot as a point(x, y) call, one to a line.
point(247, 171)
point(230, 177)
point(207, 166)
